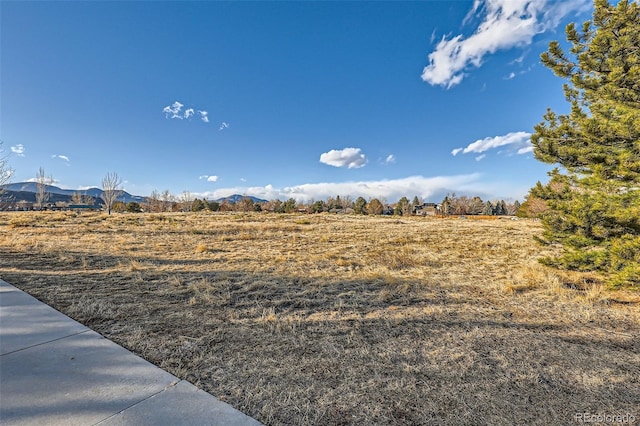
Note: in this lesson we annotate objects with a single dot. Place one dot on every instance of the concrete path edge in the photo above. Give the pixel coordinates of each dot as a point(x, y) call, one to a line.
point(56, 371)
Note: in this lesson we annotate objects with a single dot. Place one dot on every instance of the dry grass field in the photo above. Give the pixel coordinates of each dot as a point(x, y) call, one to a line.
point(326, 319)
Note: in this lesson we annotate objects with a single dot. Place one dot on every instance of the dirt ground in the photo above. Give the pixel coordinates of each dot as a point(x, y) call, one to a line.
point(330, 319)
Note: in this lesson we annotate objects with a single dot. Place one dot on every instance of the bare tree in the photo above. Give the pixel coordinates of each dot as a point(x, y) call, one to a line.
point(245, 204)
point(186, 201)
point(346, 202)
point(5, 170)
point(167, 199)
point(111, 190)
point(153, 202)
point(375, 206)
point(42, 190)
point(80, 198)
point(5, 177)
point(76, 198)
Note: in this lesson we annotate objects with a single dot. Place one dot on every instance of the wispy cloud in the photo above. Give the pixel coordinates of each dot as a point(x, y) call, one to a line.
point(390, 159)
point(526, 149)
point(223, 125)
point(428, 188)
point(480, 157)
point(505, 24)
point(518, 141)
point(62, 157)
point(351, 158)
point(18, 150)
point(209, 178)
point(175, 111)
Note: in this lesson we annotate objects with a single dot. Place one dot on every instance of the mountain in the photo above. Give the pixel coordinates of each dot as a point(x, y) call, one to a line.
point(232, 199)
point(26, 191)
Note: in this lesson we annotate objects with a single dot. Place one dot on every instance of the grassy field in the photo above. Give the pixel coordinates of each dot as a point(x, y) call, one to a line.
point(327, 319)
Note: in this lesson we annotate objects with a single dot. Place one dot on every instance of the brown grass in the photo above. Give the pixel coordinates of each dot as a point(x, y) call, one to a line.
point(324, 319)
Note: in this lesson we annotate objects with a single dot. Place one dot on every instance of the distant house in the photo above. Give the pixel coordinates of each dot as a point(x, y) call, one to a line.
point(427, 209)
point(23, 205)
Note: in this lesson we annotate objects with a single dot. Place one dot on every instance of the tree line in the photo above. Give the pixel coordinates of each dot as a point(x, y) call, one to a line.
point(111, 190)
point(452, 204)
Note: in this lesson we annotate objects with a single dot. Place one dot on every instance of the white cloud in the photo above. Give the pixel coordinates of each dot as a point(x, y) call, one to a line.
point(173, 110)
point(223, 126)
point(519, 59)
point(433, 188)
point(209, 178)
point(506, 24)
point(526, 149)
point(351, 158)
point(429, 188)
point(480, 157)
point(62, 157)
point(390, 159)
point(18, 150)
point(519, 141)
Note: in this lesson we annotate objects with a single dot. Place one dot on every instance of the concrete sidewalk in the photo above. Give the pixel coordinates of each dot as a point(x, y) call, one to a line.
point(55, 371)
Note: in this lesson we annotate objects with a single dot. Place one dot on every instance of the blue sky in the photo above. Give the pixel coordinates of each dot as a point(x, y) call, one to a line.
point(281, 99)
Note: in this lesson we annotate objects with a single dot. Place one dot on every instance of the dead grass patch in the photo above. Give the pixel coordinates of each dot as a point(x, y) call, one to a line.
point(329, 319)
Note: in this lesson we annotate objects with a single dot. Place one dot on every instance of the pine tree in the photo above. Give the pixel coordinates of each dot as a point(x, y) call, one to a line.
point(198, 205)
point(516, 207)
point(319, 206)
point(337, 204)
point(415, 203)
point(488, 209)
point(360, 205)
point(277, 206)
point(290, 205)
point(594, 203)
point(403, 207)
point(133, 207)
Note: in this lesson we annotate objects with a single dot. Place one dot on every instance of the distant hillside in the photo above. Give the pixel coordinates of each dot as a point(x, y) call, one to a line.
point(26, 191)
point(237, 197)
